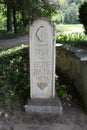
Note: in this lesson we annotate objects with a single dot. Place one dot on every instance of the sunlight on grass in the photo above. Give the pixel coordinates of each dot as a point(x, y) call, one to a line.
point(76, 39)
point(69, 27)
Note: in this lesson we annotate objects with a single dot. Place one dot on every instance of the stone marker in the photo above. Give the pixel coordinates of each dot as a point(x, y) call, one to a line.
point(42, 59)
point(42, 68)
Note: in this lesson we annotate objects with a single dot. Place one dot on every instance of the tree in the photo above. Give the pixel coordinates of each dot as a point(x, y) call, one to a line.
point(83, 15)
point(2, 16)
point(31, 9)
point(9, 5)
point(9, 15)
point(68, 12)
point(71, 14)
point(28, 11)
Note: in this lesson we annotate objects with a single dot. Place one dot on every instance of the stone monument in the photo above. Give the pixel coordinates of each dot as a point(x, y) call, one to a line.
point(42, 68)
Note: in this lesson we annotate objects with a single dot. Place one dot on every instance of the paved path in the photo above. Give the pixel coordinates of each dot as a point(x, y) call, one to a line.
point(8, 43)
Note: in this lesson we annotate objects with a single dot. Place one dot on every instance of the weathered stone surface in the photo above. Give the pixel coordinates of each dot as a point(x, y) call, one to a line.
point(42, 59)
point(72, 63)
point(44, 106)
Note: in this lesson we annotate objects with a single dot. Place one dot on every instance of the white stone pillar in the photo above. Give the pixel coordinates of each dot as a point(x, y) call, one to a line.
point(42, 69)
point(42, 59)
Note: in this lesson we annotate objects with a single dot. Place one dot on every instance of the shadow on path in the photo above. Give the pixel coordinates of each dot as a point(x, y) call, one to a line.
point(9, 43)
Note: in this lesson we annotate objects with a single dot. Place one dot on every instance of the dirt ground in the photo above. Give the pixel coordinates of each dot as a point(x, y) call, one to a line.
point(73, 117)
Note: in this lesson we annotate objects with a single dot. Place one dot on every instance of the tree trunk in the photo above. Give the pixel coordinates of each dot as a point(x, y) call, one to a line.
point(9, 18)
point(14, 21)
point(24, 18)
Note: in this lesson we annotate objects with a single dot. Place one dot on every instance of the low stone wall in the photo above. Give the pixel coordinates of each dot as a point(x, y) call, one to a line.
point(72, 63)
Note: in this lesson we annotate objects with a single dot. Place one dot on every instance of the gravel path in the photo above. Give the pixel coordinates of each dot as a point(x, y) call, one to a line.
point(8, 43)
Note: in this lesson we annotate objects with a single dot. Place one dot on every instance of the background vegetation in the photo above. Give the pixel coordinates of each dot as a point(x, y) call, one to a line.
point(14, 76)
point(16, 15)
point(73, 39)
point(14, 79)
point(68, 12)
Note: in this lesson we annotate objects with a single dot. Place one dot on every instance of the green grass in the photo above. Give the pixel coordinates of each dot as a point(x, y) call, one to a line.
point(73, 39)
point(69, 27)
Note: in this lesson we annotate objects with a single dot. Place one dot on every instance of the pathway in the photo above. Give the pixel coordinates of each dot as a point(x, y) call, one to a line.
point(8, 43)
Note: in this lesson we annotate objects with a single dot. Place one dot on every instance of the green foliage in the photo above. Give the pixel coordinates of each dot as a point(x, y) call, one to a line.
point(14, 76)
point(73, 39)
point(61, 90)
point(2, 17)
point(71, 13)
point(66, 90)
point(68, 12)
point(19, 13)
point(83, 15)
point(76, 1)
point(7, 35)
point(58, 18)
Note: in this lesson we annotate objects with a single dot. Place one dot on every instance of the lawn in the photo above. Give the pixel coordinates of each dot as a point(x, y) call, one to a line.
point(71, 34)
point(69, 27)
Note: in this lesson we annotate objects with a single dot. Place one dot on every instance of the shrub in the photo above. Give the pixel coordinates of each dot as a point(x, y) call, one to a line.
point(83, 15)
point(14, 76)
point(73, 39)
point(61, 90)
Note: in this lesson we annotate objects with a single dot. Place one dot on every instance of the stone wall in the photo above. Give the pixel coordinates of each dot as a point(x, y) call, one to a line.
point(72, 63)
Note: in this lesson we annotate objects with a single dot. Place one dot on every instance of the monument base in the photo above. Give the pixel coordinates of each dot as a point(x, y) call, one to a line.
point(44, 106)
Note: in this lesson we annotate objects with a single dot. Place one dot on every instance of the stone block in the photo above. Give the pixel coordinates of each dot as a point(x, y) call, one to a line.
point(44, 106)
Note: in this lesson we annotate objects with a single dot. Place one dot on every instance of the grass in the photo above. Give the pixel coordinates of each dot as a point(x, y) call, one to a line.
point(73, 39)
point(74, 35)
point(69, 27)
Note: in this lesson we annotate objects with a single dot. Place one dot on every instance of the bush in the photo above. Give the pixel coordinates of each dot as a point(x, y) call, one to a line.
point(58, 18)
point(83, 15)
point(73, 39)
point(61, 90)
point(14, 76)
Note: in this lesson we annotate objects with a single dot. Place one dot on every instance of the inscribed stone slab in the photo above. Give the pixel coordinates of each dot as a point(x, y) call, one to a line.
point(42, 59)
